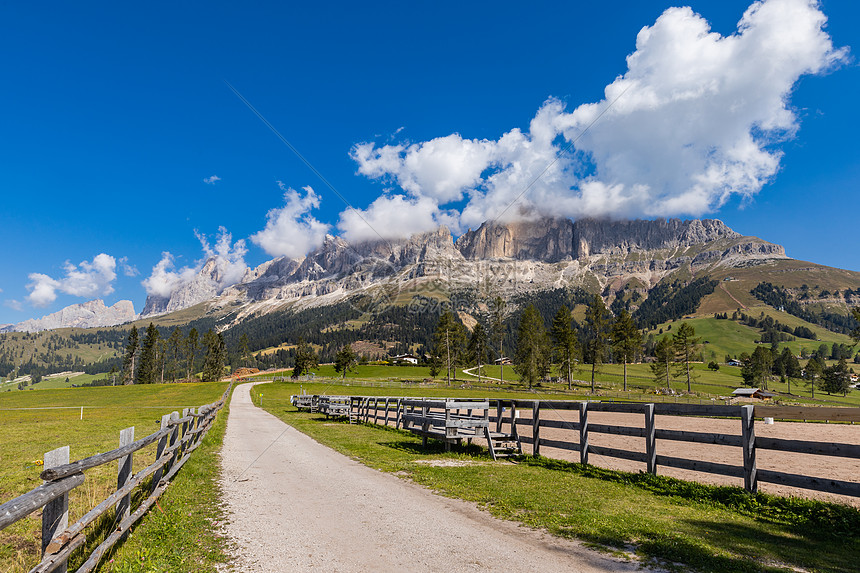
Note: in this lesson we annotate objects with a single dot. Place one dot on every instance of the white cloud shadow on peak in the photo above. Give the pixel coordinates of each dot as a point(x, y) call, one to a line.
point(291, 230)
point(699, 121)
point(87, 279)
point(226, 258)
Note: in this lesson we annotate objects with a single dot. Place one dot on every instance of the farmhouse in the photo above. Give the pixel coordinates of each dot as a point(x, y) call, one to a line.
point(504, 360)
point(753, 393)
point(411, 359)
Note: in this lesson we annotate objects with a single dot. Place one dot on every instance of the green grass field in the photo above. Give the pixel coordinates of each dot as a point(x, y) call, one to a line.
point(707, 386)
point(38, 421)
point(677, 525)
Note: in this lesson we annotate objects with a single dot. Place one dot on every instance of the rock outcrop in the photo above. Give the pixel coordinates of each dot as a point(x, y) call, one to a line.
point(84, 315)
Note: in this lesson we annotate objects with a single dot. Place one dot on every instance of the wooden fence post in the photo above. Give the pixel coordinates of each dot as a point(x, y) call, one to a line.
point(650, 440)
point(124, 474)
point(583, 432)
point(536, 428)
point(55, 515)
point(159, 450)
point(398, 414)
point(425, 426)
point(386, 412)
point(184, 431)
point(748, 438)
point(499, 411)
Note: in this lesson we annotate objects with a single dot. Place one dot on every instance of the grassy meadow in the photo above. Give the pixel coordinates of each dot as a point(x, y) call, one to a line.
point(37, 421)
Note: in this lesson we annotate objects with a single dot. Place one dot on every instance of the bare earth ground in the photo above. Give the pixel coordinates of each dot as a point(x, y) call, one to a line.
point(295, 505)
point(847, 469)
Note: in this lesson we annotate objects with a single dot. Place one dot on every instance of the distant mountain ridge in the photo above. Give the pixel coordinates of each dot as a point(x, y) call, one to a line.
point(507, 257)
point(83, 315)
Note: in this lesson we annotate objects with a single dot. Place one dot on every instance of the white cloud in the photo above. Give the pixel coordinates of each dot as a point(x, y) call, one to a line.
point(227, 257)
point(88, 279)
point(13, 304)
point(211, 180)
point(394, 216)
point(291, 230)
point(128, 269)
point(699, 121)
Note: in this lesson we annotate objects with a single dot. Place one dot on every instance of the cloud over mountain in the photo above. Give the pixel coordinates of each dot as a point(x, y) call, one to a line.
point(228, 259)
point(86, 279)
point(291, 230)
point(695, 119)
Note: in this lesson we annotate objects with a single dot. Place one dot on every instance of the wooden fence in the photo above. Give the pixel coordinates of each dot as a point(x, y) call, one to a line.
point(528, 413)
point(177, 438)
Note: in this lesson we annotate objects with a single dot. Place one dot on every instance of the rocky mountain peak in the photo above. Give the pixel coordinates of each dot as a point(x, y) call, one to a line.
point(89, 314)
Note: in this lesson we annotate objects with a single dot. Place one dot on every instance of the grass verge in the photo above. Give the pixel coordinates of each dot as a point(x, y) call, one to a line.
point(181, 533)
point(677, 524)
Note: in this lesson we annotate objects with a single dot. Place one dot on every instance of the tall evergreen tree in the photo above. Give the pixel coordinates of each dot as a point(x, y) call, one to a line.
point(130, 357)
point(565, 344)
point(477, 348)
point(345, 360)
point(626, 340)
point(306, 359)
point(174, 346)
point(532, 357)
point(214, 357)
point(812, 372)
point(836, 379)
point(192, 345)
point(789, 366)
point(148, 369)
point(449, 344)
point(757, 368)
point(661, 367)
point(685, 343)
point(596, 335)
point(245, 350)
point(497, 330)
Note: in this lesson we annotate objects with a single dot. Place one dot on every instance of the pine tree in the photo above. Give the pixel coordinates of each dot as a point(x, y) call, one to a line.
point(597, 326)
point(192, 344)
point(789, 366)
point(306, 359)
point(215, 356)
point(814, 369)
point(685, 343)
point(146, 371)
point(449, 344)
point(477, 348)
point(626, 340)
point(532, 356)
point(664, 354)
point(836, 378)
point(129, 359)
point(345, 360)
point(174, 345)
point(497, 330)
point(565, 345)
point(245, 350)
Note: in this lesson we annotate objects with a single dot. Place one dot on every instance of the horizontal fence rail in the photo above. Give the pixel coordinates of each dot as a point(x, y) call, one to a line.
point(430, 413)
point(178, 436)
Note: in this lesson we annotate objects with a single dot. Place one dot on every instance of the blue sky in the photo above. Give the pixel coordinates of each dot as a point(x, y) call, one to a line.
point(114, 115)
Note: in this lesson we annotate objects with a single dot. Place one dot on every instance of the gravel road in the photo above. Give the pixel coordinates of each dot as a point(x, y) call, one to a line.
point(295, 505)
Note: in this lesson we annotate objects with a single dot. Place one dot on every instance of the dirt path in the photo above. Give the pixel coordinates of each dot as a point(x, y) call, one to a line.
point(295, 505)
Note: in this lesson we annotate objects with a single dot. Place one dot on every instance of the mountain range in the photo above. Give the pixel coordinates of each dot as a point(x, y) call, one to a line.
point(500, 258)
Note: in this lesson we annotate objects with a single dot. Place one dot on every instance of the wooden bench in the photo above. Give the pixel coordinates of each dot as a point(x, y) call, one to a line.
point(338, 406)
point(443, 420)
